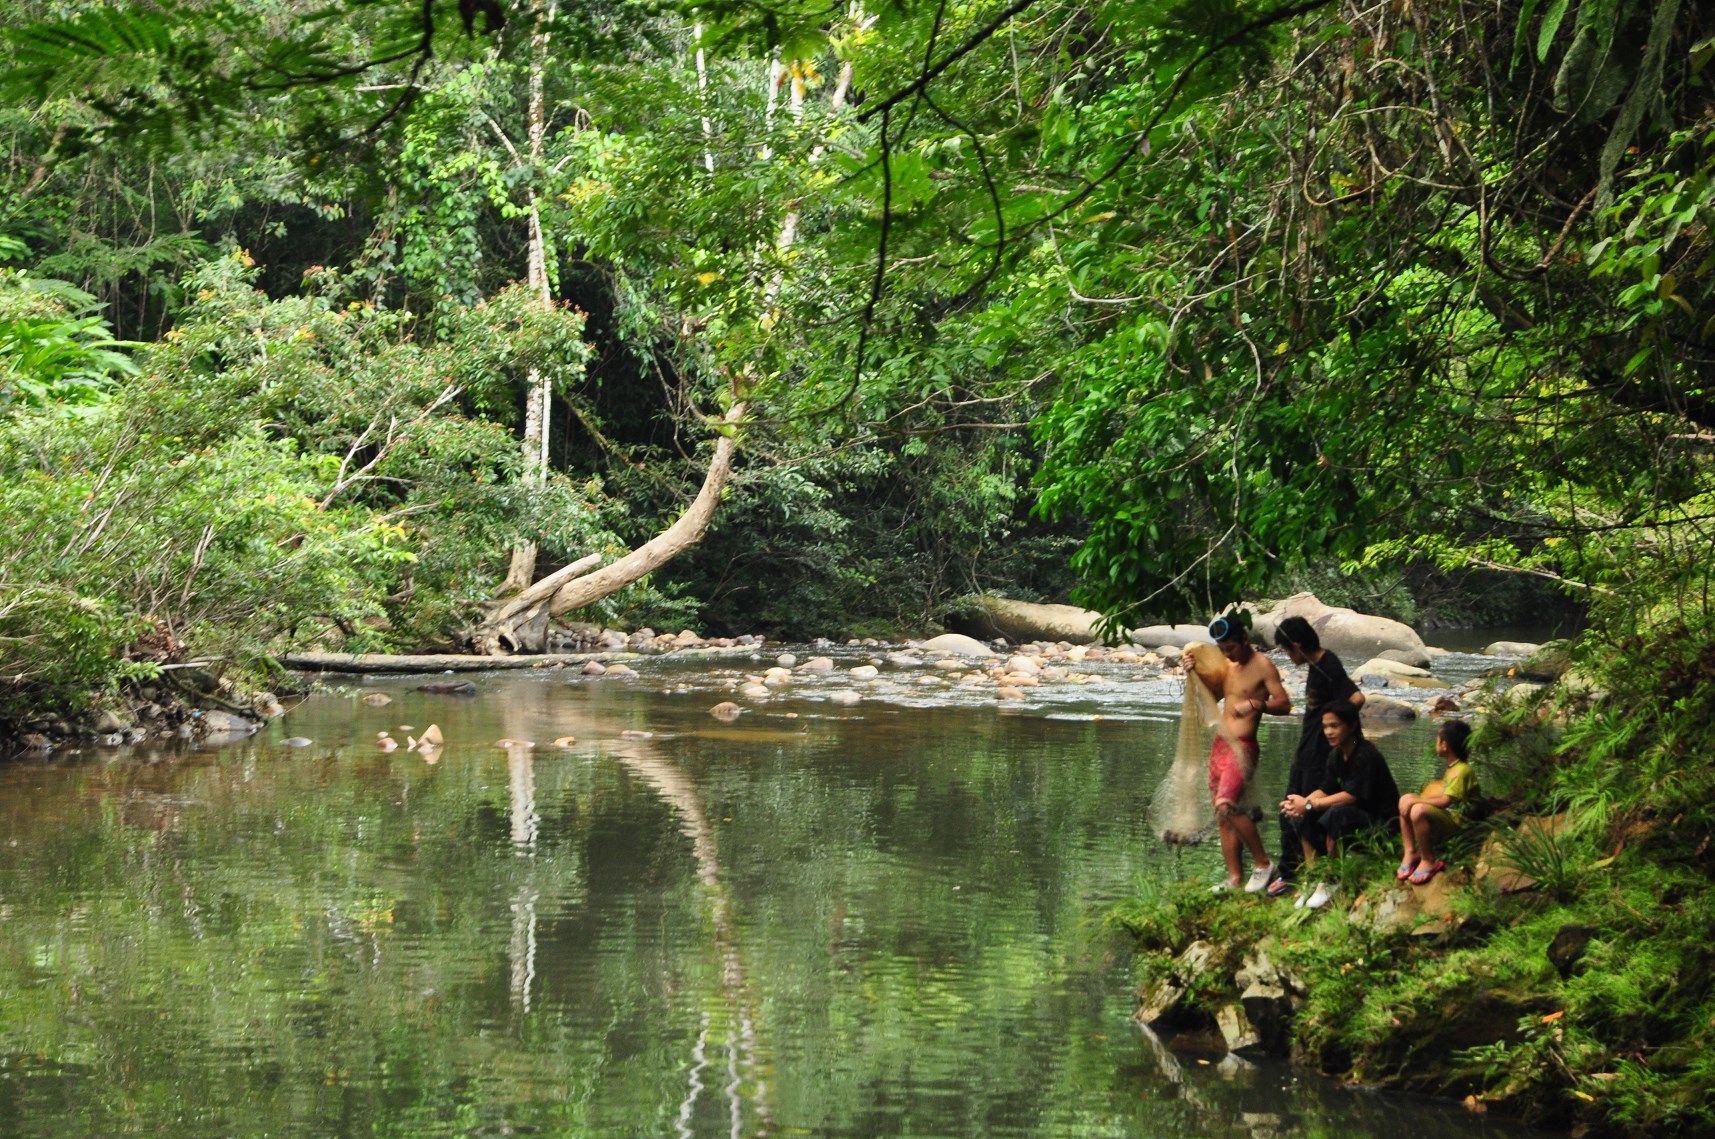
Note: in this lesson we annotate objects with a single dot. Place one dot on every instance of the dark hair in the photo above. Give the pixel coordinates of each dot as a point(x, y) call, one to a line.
point(1297, 631)
point(1232, 627)
point(1457, 735)
point(1345, 710)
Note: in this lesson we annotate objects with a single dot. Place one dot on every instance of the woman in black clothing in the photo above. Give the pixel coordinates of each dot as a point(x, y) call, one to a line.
point(1326, 681)
point(1352, 796)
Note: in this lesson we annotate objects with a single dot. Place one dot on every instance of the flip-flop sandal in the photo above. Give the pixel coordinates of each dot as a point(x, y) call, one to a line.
point(1426, 872)
point(1406, 870)
point(1279, 888)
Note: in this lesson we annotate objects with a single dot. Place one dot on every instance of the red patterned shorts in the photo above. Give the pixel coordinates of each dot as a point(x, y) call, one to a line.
point(1228, 773)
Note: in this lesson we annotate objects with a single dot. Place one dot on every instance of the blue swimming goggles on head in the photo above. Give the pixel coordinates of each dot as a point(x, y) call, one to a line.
point(1223, 628)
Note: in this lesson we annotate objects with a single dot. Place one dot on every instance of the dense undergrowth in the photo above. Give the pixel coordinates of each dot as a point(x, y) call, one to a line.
point(1616, 1039)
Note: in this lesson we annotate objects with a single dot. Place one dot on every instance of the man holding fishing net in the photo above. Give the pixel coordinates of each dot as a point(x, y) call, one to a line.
point(1248, 685)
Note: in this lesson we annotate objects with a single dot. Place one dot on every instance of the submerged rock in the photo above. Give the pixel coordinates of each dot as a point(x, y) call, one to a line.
point(449, 688)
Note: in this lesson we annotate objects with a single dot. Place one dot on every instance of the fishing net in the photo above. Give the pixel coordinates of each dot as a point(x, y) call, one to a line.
point(1181, 812)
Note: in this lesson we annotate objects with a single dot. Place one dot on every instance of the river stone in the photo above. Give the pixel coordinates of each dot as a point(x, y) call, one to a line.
point(1268, 1007)
point(1385, 666)
point(1161, 1004)
point(1018, 662)
point(754, 691)
point(687, 640)
point(949, 665)
point(845, 696)
point(817, 664)
point(1200, 959)
point(1385, 709)
point(1022, 621)
point(1547, 663)
point(726, 710)
point(108, 723)
point(1009, 693)
point(786, 660)
point(956, 644)
point(777, 675)
point(904, 660)
point(619, 670)
point(1236, 1028)
point(1407, 656)
point(865, 672)
point(1352, 635)
point(593, 668)
point(227, 724)
point(1510, 648)
point(1170, 636)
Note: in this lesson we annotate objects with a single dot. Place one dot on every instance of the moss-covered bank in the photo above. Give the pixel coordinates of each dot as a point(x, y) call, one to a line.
point(1561, 971)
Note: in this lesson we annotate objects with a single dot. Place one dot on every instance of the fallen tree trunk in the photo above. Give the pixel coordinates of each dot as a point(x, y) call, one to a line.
point(387, 663)
point(521, 624)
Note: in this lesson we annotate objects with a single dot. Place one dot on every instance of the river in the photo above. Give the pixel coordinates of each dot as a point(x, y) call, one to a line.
point(821, 919)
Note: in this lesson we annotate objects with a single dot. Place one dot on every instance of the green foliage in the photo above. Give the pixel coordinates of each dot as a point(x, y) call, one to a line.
point(274, 465)
point(54, 349)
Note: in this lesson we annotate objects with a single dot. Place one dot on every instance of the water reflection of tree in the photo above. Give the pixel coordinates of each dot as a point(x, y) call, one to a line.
point(680, 791)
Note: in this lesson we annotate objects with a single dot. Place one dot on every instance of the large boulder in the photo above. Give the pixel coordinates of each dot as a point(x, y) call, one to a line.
point(1023, 621)
point(1382, 710)
point(956, 644)
point(1169, 636)
point(1510, 648)
point(1352, 635)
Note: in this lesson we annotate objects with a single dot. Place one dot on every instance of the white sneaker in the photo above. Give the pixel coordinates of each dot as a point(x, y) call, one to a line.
point(1259, 880)
point(1304, 896)
point(1324, 893)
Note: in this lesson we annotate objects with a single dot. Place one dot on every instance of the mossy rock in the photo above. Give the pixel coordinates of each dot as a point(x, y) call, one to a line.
point(1547, 663)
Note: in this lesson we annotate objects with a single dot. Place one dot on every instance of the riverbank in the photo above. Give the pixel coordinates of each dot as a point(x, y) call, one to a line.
point(1560, 970)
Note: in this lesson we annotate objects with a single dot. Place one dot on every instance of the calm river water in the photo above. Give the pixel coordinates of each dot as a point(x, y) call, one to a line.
point(823, 919)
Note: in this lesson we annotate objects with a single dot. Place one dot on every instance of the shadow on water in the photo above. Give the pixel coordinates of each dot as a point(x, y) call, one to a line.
point(826, 918)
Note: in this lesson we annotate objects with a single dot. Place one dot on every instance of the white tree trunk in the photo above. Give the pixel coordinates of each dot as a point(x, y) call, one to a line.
point(538, 388)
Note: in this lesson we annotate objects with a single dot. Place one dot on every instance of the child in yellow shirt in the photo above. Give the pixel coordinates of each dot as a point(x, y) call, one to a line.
point(1439, 809)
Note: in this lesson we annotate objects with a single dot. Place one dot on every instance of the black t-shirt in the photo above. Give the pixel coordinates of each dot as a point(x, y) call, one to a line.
point(1365, 776)
point(1325, 683)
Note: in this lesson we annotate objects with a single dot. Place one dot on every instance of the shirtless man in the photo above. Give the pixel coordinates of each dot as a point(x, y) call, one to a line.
point(1250, 687)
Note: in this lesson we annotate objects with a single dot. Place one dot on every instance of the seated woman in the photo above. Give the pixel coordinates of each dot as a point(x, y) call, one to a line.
point(1325, 681)
point(1439, 809)
point(1357, 792)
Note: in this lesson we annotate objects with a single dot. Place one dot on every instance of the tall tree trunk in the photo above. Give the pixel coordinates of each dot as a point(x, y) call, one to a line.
point(521, 624)
point(538, 388)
